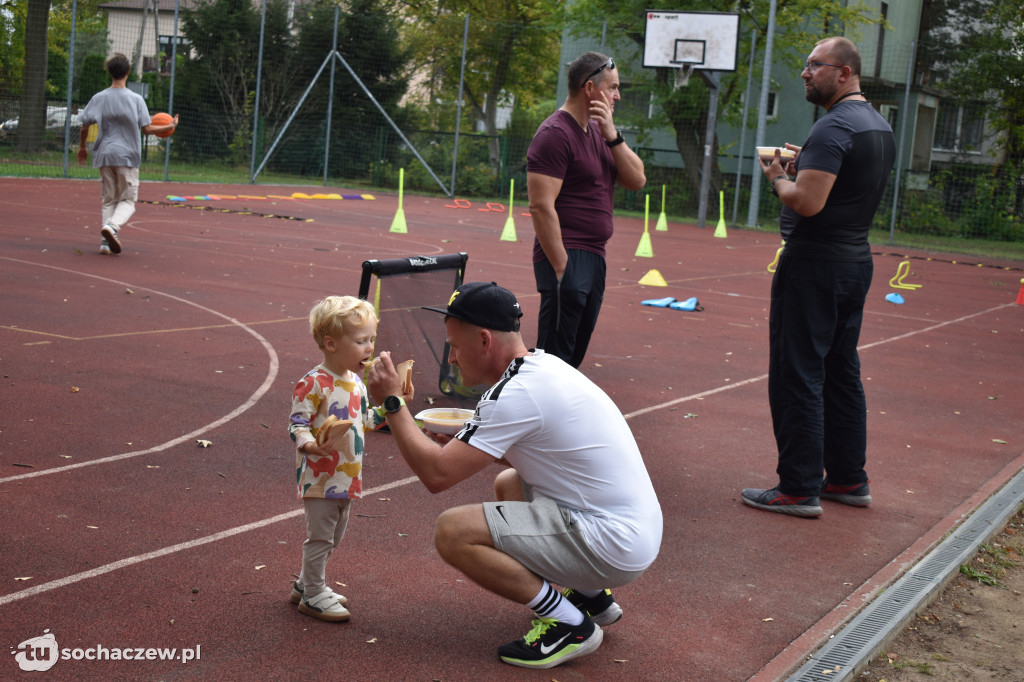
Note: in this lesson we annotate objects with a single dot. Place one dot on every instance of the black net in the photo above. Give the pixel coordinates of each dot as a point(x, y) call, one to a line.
point(399, 288)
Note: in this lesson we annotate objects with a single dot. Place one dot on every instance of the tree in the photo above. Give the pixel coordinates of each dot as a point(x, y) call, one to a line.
point(973, 50)
point(225, 35)
point(369, 42)
point(12, 45)
point(32, 114)
point(799, 24)
point(512, 47)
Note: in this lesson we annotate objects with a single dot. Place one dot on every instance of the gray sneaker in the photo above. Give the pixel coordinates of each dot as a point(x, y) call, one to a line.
point(856, 495)
point(774, 500)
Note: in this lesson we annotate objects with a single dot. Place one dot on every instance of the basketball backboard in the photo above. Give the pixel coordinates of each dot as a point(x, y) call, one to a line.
point(699, 40)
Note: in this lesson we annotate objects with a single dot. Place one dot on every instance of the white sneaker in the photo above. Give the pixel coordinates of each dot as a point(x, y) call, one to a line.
point(105, 248)
point(324, 606)
point(298, 589)
point(109, 233)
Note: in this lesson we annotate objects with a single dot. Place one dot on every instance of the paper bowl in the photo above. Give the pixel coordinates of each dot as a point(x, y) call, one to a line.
point(766, 154)
point(446, 420)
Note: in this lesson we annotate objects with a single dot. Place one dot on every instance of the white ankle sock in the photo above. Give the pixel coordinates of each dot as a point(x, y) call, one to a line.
point(549, 603)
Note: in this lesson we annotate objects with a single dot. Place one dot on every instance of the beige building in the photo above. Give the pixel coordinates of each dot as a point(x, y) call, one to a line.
point(144, 31)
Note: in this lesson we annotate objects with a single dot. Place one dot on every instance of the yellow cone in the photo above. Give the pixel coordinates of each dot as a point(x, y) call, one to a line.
point(720, 230)
point(653, 278)
point(509, 233)
point(643, 249)
point(398, 224)
point(662, 225)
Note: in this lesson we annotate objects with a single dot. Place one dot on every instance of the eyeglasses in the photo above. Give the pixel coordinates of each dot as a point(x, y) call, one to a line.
point(813, 66)
point(610, 64)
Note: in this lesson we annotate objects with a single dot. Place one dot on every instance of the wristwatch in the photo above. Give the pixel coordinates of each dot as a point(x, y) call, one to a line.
point(775, 180)
point(617, 140)
point(393, 403)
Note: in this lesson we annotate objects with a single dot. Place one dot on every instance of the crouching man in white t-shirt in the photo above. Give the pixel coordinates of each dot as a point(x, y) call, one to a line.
point(576, 506)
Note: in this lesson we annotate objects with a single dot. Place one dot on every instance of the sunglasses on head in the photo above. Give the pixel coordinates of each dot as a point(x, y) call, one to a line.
point(610, 64)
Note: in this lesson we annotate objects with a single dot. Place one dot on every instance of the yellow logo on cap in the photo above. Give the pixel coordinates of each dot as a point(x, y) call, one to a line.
point(454, 294)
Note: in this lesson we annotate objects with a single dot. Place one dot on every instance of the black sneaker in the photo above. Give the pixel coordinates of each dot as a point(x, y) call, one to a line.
point(856, 495)
point(552, 643)
point(774, 500)
point(602, 609)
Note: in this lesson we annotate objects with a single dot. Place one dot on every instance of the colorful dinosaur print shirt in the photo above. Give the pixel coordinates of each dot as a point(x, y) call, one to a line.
point(317, 395)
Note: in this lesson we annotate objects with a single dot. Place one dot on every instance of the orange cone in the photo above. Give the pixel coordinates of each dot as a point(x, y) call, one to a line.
point(1020, 295)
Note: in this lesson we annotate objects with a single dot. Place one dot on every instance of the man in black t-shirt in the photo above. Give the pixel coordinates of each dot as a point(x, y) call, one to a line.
point(819, 413)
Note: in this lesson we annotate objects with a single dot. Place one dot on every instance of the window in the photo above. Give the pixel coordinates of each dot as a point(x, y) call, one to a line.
point(771, 109)
point(959, 127)
point(182, 50)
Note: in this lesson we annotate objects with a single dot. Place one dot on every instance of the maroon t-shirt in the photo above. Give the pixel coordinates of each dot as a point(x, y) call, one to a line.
point(582, 161)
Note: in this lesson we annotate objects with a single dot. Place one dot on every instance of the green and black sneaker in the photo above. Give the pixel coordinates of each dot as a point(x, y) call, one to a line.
point(601, 608)
point(552, 643)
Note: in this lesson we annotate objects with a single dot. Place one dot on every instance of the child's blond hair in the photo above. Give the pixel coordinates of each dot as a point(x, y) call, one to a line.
point(328, 317)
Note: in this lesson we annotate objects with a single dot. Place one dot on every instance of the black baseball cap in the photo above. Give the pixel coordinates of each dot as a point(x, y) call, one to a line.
point(484, 304)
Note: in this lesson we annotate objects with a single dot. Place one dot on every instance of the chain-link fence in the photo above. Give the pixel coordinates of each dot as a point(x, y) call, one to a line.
point(308, 94)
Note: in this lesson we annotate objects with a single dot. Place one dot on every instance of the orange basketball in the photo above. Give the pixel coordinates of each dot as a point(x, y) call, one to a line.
point(162, 119)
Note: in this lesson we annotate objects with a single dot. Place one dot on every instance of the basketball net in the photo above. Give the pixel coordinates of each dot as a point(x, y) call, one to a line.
point(683, 75)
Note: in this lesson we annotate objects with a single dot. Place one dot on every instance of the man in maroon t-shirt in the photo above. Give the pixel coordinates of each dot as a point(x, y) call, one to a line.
point(573, 163)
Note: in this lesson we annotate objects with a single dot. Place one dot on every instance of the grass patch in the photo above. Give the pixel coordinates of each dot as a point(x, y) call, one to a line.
point(980, 576)
point(919, 666)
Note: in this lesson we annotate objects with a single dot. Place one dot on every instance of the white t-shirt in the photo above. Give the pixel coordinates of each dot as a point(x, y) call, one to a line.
point(569, 442)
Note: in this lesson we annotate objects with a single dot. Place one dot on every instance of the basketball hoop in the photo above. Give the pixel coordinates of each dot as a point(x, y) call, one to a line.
point(683, 75)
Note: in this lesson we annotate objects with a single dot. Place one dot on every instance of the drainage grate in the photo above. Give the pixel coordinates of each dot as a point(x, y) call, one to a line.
point(883, 618)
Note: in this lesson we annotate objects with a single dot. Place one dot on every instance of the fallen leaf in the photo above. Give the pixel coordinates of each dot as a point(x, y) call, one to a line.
point(1001, 442)
point(767, 620)
point(402, 535)
point(342, 584)
point(66, 456)
point(261, 566)
point(75, 389)
point(371, 641)
point(620, 660)
point(27, 577)
point(93, 527)
point(27, 466)
point(128, 291)
point(204, 443)
point(383, 499)
point(152, 466)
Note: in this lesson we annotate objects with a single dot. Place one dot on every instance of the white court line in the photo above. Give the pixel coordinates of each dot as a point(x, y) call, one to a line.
point(252, 400)
point(156, 554)
point(880, 342)
point(130, 561)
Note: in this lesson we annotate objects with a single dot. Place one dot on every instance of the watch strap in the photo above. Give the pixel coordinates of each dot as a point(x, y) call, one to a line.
point(618, 140)
point(775, 180)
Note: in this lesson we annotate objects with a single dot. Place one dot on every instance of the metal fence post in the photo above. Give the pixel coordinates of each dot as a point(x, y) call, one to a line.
point(903, 131)
point(256, 104)
point(458, 104)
